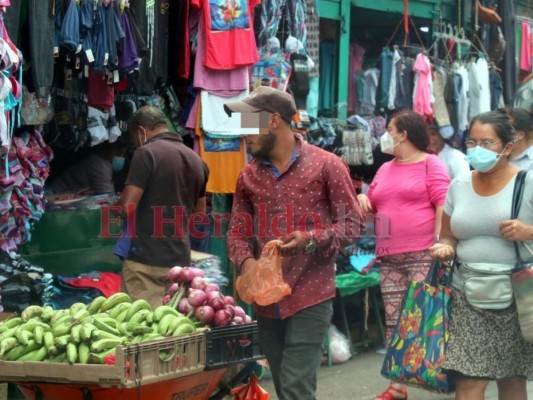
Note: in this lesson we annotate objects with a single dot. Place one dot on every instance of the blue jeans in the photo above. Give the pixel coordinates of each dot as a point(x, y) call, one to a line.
point(293, 348)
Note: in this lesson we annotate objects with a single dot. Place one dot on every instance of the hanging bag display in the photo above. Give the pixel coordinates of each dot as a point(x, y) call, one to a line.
point(522, 276)
point(418, 346)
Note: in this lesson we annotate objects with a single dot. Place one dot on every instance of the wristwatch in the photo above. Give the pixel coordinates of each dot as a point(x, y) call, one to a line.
point(311, 246)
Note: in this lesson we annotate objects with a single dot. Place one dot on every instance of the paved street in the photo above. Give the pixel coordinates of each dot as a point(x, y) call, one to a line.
point(359, 379)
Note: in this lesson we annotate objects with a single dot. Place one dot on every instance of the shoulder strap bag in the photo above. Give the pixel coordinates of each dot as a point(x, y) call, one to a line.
point(522, 275)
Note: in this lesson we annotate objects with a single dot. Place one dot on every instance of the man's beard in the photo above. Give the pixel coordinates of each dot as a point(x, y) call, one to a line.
point(265, 145)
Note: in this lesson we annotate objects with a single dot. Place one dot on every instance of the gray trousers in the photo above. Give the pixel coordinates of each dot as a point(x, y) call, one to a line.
point(42, 30)
point(293, 348)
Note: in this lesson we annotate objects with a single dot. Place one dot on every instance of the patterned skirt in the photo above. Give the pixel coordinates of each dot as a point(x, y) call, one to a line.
point(486, 344)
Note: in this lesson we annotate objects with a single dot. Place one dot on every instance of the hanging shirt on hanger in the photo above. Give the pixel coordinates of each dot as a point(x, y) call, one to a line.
point(478, 74)
point(371, 80)
point(395, 75)
point(216, 80)
point(439, 106)
point(422, 94)
point(229, 33)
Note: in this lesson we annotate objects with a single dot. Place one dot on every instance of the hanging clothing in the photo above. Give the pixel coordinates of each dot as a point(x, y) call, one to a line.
point(296, 12)
point(129, 59)
point(271, 13)
point(395, 75)
point(229, 33)
point(506, 9)
point(496, 89)
point(183, 40)
point(214, 118)
point(525, 48)
point(371, 81)
point(404, 95)
point(224, 166)
point(439, 106)
point(464, 99)
point(422, 94)
point(385, 77)
point(328, 75)
point(312, 45)
point(355, 65)
point(216, 80)
point(478, 75)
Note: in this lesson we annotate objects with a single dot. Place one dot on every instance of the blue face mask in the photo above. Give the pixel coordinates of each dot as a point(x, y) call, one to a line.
point(481, 159)
point(117, 163)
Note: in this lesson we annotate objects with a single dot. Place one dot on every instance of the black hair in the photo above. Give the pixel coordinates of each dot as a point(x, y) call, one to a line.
point(148, 117)
point(522, 120)
point(500, 122)
point(415, 126)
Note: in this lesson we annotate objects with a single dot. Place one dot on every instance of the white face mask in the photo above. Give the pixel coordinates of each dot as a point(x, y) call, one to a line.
point(387, 143)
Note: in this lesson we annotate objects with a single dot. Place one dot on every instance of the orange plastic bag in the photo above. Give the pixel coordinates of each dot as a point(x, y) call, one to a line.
point(250, 391)
point(264, 285)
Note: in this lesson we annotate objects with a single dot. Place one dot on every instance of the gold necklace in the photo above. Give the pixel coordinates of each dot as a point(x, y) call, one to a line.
point(410, 158)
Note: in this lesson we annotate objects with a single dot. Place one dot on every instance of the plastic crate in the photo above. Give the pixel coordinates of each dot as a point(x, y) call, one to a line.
point(136, 365)
point(231, 345)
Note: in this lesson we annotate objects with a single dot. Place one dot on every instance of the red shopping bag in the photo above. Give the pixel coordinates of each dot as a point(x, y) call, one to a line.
point(250, 391)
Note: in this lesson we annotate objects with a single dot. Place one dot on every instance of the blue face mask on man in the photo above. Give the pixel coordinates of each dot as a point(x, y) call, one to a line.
point(481, 159)
point(117, 163)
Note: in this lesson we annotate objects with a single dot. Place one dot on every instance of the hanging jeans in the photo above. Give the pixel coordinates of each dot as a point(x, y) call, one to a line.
point(42, 32)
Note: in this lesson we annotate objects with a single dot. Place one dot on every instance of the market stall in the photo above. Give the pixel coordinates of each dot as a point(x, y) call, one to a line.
point(114, 347)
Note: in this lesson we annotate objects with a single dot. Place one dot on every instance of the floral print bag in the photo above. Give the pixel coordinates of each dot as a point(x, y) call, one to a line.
point(418, 346)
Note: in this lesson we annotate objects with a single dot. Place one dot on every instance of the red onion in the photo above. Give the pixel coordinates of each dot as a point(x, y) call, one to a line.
point(184, 307)
point(198, 272)
point(247, 320)
point(229, 300)
point(239, 312)
point(166, 299)
point(215, 300)
point(238, 320)
point(187, 275)
point(173, 288)
point(198, 283)
point(211, 287)
point(197, 298)
point(174, 274)
point(204, 314)
point(222, 318)
point(230, 309)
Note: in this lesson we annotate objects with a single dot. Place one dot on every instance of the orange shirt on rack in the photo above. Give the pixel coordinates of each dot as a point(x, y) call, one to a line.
point(224, 166)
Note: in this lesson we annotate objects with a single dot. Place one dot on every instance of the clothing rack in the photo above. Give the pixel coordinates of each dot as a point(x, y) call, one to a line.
point(523, 18)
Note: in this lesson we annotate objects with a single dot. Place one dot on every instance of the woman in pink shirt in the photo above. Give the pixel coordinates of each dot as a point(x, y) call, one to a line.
point(407, 197)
